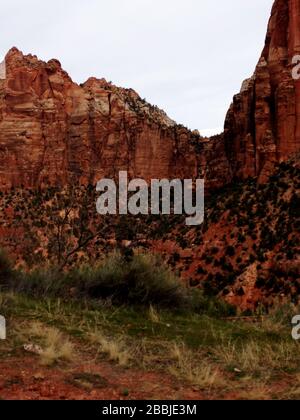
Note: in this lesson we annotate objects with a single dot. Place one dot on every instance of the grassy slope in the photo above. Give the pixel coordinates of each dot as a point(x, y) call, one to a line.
point(220, 357)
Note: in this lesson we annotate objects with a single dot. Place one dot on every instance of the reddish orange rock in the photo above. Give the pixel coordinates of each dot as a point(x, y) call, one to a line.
point(263, 123)
point(53, 131)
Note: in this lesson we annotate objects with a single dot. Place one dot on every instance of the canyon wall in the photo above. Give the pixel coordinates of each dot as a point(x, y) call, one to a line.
point(54, 131)
point(263, 124)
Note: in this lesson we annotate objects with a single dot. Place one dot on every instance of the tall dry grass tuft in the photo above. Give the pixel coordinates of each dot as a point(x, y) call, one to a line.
point(54, 345)
point(154, 315)
point(197, 372)
point(116, 349)
point(254, 357)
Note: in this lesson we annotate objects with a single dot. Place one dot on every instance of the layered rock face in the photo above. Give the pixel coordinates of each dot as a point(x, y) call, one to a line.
point(53, 131)
point(263, 123)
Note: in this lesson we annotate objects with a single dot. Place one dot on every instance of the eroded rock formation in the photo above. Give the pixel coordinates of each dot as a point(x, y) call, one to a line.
point(53, 131)
point(263, 123)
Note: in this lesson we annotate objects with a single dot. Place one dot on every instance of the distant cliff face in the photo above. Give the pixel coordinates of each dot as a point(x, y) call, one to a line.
point(53, 132)
point(263, 123)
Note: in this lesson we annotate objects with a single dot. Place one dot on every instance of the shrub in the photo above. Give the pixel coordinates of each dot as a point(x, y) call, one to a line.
point(210, 306)
point(200, 270)
point(143, 280)
point(214, 250)
point(208, 260)
point(260, 282)
point(6, 268)
point(41, 282)
point(230, 251)
point(241, 238)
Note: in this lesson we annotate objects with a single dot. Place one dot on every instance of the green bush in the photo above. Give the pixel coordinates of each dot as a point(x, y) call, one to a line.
point(6, 268)
point(143, 280)
point(230, 251)
point(41, 282)
point(210, 306)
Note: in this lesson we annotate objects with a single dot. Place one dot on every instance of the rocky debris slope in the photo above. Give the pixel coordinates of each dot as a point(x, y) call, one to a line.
point(247, 250)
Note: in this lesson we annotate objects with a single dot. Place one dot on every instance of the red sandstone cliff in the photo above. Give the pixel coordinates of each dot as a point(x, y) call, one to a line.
point(53, 131)
point(263, 123)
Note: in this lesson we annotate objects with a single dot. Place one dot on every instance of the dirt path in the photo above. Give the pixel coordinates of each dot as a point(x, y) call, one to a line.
point(25, 379)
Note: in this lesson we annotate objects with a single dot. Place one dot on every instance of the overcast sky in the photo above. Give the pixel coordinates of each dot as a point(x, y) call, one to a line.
point(189, 57)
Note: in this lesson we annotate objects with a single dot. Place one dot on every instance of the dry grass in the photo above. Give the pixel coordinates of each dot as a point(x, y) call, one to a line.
point(56, 348)
point(54, 345)
point(154, 315)
point(197, 372)
point(294, 391)
point(116, 349)
point(222, 359)
point(253, 357)
point(257, 392)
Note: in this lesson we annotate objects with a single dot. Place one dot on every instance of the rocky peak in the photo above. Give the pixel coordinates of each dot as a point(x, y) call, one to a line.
point(263, 123)
point(54, 131)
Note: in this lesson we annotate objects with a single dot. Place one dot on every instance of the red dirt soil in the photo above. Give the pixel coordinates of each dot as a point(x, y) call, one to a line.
point(25, 379)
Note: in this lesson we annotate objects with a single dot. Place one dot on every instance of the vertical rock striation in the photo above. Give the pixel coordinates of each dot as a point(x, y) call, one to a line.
point(263, 123)
point(54, 132)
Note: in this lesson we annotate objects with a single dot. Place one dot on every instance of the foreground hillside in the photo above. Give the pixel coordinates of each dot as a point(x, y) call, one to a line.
point(94, 350)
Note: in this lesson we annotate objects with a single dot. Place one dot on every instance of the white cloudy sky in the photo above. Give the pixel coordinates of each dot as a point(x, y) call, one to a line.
point(187, 56)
